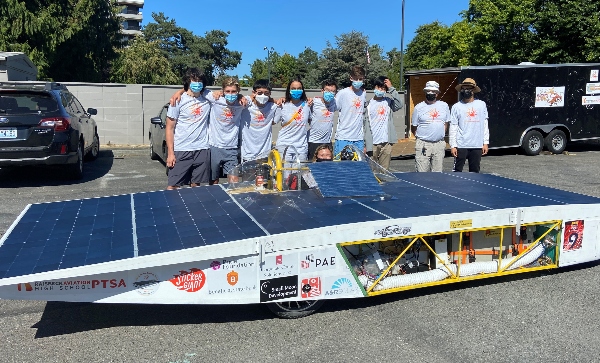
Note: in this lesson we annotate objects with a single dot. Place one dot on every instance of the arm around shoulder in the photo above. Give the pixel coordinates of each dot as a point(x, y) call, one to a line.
point(397, 99)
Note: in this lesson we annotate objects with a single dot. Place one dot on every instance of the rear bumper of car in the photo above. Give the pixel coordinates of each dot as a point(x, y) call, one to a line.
point(14, 159)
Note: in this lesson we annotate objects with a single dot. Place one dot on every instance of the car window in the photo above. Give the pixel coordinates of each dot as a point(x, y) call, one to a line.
point(163, 115)
point(74, 104)
point(22, 103)
point(78, 105)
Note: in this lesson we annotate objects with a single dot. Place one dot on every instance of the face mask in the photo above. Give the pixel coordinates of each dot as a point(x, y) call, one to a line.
point(296, 93)
point(430, 97)
point(196, 86)
point(466, 93)
point(328, 96)
point(378, 93)
point(319, 160)
point(357, 84)
point(231, 97)
point(262, 99)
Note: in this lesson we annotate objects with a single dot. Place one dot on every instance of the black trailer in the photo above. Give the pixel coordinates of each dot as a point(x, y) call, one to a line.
point(530, 105)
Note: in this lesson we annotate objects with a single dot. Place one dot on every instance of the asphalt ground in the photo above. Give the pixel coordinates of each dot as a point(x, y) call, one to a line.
point(537, 317)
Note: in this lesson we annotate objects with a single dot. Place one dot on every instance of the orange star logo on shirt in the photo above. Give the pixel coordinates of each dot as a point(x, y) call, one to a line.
point(357, 102)
point(259, 117)
point(381, 111)
point(434, 114)
point(228, 113)
point(326, 113)
point(471, 112)
point(197, 110)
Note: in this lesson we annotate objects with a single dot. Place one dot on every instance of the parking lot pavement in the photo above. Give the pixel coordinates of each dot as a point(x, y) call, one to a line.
point(549, 317)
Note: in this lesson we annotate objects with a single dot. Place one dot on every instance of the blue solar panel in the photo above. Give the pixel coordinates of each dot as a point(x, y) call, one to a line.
point(60, 235)
point(345, 179)
point(299, 210)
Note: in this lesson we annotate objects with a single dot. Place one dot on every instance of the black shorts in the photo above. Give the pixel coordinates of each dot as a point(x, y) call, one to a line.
point(191, 167)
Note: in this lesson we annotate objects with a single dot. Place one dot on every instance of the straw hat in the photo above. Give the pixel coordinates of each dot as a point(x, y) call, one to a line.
point(468, 82)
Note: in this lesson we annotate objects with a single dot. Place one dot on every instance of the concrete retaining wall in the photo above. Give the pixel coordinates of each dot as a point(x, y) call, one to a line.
point(124, 110)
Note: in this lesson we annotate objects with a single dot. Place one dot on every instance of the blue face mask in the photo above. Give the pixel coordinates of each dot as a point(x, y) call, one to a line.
point(379, 93)
point(357, 84)
point(296, 93)
point(196, 86)
point(328, 96)
point(231, 97)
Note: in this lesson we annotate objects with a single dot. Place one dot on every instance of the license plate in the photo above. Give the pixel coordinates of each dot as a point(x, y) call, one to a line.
point(10, 133)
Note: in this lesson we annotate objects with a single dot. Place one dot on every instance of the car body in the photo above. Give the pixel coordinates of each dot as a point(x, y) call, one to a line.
point(158, 143)
point(45, 124)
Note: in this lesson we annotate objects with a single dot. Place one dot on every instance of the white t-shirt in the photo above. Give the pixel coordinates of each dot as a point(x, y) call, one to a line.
point(257, 130)
point(294, 133)
point(224, 125)
point(469, 125)
point(350, 118)
point(430, 120)
point(191, 122)
point(379, 112)
point(321, 124)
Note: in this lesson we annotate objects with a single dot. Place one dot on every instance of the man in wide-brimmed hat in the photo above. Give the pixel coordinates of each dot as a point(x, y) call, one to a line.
point(469, 134)
point(429, 124)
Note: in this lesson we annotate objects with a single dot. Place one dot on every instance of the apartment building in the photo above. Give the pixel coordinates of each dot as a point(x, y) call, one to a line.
point(131, 15)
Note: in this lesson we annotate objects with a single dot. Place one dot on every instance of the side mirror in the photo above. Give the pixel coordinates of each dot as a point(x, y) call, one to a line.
point(156, 121)
point(92, 111)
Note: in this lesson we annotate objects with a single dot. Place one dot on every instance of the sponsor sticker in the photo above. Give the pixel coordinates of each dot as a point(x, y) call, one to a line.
point(191, 280)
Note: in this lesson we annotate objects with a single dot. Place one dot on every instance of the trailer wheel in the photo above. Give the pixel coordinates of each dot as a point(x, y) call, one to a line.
point(295, 309)
point(533, 142)
point(556, 141)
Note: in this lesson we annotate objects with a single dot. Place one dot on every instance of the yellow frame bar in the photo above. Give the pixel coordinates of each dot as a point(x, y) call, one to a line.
point(530, 246)
point(457, 278)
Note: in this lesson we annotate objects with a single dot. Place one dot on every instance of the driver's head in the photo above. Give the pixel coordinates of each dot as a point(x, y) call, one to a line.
point(323, 153)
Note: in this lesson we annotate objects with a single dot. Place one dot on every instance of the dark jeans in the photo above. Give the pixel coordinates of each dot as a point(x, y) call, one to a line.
point(474, 157)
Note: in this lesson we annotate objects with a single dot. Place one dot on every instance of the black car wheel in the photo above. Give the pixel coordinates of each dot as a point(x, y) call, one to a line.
point(75, 171)
point(153, 154)
point(533, 142)
point(95, 150)
point(295, 309)
point(556, 141)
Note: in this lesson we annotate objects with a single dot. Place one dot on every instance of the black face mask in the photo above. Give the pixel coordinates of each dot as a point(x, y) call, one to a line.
point(430, 96)
point(466, 93)
point(319, 159)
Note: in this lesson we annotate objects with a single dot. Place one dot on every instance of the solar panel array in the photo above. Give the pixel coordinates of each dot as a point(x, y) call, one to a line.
point(345, 179)
point(60, 235)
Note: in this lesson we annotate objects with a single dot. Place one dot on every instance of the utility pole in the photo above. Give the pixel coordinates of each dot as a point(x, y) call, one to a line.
point(269, 51)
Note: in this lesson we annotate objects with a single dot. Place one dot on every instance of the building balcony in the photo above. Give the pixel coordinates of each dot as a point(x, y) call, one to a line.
point(131, 32)
point(136, 17)
point(139, 3)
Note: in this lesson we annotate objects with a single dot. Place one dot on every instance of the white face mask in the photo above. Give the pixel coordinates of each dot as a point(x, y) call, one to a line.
point(262, 99)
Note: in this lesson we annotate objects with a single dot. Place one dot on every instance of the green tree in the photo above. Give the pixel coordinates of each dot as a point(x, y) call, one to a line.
point(567, 31)
point(429, 48)
point(336, 61)
point(143, 63)
point(501, 31)
point(184, 49)
point(68, 40)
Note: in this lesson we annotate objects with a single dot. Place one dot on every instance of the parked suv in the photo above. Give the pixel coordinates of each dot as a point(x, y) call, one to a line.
point(44, 124)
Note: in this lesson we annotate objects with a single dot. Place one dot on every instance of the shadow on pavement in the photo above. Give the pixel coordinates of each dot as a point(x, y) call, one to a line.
point(37, 176)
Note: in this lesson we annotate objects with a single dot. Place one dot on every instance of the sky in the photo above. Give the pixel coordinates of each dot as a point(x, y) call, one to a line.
point(291, 26)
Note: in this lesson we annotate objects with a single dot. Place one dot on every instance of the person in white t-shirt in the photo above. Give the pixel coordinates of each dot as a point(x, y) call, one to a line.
point(379, 113)
point(224, 130)
point(293, 116)
point(257, 121)
point(469, 135)
point(321, 117)
point(350, 103)
point(429, 124)
point(186, 134)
